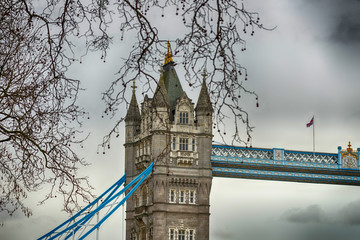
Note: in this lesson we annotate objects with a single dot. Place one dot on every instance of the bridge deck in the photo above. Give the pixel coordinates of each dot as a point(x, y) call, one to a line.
point(283, 165)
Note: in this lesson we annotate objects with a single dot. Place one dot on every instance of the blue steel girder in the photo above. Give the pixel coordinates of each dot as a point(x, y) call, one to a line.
point(284, 165)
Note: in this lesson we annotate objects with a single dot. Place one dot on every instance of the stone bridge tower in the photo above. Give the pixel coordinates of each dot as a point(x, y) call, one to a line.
point(173, 203)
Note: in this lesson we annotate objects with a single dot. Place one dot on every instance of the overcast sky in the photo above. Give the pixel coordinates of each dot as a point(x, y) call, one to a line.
point(309, 65)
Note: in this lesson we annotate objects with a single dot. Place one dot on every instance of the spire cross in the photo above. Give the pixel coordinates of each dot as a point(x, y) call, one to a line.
point(204, 74)
point(134, 86)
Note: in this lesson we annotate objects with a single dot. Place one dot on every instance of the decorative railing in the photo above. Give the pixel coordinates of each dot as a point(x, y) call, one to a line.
point(242, 152)
point(311, 157)
point(272, 154)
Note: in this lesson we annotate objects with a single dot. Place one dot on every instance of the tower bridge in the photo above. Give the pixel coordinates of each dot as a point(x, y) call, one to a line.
point(170, 162)
point(286, 165)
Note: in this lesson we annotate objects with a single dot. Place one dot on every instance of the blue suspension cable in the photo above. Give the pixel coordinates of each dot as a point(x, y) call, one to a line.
point(73, 228)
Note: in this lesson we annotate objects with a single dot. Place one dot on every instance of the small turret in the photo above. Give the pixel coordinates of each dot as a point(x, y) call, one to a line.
point(132, 129)
point(203, 107)
point(132, 118)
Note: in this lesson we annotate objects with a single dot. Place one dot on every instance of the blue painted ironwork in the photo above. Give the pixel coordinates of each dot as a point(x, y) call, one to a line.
point(265, 153)
point(326, 158)
point(80, 224)
point(283, 165)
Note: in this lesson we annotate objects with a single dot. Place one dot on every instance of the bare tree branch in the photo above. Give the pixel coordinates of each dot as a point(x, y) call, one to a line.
point(39, 115)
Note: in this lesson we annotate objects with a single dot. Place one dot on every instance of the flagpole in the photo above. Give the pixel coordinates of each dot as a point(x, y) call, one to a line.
point(314, 137)
point(312, 123)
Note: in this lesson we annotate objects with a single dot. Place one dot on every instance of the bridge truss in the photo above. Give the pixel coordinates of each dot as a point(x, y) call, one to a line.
point(285, 165)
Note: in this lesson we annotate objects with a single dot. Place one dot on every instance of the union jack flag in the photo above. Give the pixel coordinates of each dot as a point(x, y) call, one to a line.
point(310, 123)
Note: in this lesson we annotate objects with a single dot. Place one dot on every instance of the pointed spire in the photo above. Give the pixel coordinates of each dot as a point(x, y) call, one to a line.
point(172, 83)
point(204, 103)
point(161, 96)
point(168, 56)
point(133, 113)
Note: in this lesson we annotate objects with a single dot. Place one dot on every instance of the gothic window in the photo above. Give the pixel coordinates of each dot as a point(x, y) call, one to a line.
point(184, 144)
point(181, 235)
point(174, 143)
point(171, 234)
point(191, 234)
point(192, 197)
point(184, 118)
point(182, 196)
point(172, 196)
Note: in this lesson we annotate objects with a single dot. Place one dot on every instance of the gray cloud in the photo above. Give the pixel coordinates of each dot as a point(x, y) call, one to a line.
point(337, 21)
point(310, 214)
point(350, 214)
point(348, 29)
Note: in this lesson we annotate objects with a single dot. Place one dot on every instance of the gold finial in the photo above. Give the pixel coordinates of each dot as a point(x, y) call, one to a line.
point(168, 56)
point(133, 86)
point(349, 147)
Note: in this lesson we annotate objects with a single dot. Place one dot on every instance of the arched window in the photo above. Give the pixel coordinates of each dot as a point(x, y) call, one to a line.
point(184, 118)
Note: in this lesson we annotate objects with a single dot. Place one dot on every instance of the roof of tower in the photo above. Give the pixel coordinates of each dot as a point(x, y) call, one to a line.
point(133, 113)
point(204, 103)
point(171, 80)
point(161, 98)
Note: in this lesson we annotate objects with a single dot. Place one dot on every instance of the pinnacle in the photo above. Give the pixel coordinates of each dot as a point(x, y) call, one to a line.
point(204, 103)
point(133, 113)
